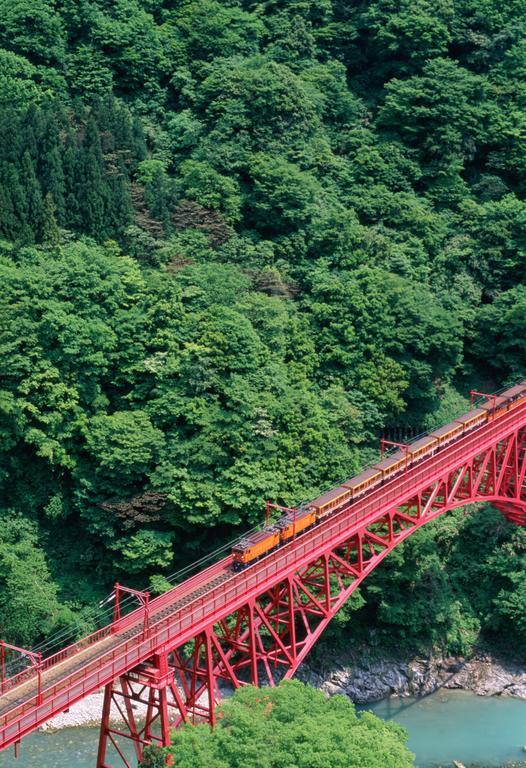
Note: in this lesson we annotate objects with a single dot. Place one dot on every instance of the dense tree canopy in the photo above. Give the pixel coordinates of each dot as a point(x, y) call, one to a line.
point(239, 242)
point(289, 725)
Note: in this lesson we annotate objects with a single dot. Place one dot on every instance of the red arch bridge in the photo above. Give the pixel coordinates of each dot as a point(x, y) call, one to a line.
point(221, 629)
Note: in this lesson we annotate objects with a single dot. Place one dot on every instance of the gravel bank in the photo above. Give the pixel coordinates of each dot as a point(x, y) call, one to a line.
point(88, 712)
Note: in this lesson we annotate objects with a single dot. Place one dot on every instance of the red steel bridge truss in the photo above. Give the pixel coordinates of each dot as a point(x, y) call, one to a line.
point(180, 653)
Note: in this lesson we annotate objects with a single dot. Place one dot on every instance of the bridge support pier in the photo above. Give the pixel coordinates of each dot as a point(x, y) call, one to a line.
point(226, 630)
point(141, 700)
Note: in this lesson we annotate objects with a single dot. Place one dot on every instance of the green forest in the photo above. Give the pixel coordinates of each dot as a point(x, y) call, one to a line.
point(239, 242)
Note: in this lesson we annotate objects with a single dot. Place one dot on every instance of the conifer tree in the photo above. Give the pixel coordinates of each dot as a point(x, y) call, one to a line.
point(11, 144)
point(51, 172)
point(138, 145)
point(119, 207)
point(50, 230)
point(30, 131)
point(93, 192)
point(15, 214)
point(73, 172)
point(32, 226)
point(8, 222)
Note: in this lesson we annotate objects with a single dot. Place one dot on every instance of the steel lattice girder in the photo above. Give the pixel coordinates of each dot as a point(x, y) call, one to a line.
point(220, 628)
point(266, 638)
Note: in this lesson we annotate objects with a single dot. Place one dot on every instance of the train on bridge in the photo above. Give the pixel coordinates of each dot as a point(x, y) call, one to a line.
point(296, 521)
point(217, 626)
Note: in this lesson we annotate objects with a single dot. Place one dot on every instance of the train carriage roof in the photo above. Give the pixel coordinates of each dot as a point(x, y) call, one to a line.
point(367, 474)
point(422, 443)
point(470, 415)
point(493, 402)
point(331, 495)
point(394, 458)
point(445, 430)
point(515, 391)
point(300, 513)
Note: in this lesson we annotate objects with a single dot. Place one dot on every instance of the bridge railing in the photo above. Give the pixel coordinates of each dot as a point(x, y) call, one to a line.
point(219, 599)
point(125, 622)
point(71, 650)
point(67, 645)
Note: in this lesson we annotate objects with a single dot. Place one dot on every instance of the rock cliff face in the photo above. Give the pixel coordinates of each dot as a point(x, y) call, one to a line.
point(364, 680)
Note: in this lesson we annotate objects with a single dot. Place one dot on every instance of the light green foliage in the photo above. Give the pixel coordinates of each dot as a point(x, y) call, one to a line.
point(284, 197)
point(292, 724)
point(28, 596)
point(497, 231)
point(450, 405)
point(146, 550)
point(17, 80)
point(502, 331)
point(437, 111)
point(191, 386)
point(159, 584)
point(134, 44)
point(88, 72)
point(420, 340)
point(123, 442)
point(200, 182)
point(409, 32)
point(33, 28)
point(210, 29)
point(257, 104)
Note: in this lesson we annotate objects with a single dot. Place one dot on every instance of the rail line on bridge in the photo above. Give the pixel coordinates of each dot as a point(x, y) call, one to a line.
point(224, 629)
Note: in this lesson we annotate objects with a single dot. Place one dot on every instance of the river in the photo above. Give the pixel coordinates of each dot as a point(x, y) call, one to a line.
point(446, 726)
point(458, 725)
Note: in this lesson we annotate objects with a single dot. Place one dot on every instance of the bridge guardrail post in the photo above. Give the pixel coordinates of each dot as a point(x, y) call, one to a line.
point(146, 626)
point(39, 674)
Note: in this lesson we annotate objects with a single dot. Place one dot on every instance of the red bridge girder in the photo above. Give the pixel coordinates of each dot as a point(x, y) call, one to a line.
point(221, 630)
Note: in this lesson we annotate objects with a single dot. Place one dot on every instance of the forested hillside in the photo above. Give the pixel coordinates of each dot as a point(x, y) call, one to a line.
point(240, 241)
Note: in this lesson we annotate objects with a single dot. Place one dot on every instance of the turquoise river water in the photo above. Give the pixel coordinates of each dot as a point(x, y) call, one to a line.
point(446, 726)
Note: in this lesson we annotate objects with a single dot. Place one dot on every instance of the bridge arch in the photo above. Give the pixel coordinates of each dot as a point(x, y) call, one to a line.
point(228, 629)
point(513, 510)
point(269, 636)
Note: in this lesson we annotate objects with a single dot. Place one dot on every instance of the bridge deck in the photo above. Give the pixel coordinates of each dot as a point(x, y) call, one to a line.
point(218, 591)
point(133, 626)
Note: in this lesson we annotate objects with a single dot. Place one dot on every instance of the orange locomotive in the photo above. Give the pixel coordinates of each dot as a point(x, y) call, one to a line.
point(258, 544)
point(294, 522)
point(254, 546)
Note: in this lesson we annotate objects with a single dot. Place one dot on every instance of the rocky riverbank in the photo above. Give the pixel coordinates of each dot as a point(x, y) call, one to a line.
point(365, 679)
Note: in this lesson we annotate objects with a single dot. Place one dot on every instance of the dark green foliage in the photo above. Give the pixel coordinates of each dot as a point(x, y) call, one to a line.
point(289, 725)
point(241, 240)
point(453, 585)
point(84, 165)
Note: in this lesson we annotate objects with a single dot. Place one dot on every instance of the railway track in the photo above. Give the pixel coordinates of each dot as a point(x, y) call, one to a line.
point(27, 690)
point(430, 487)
